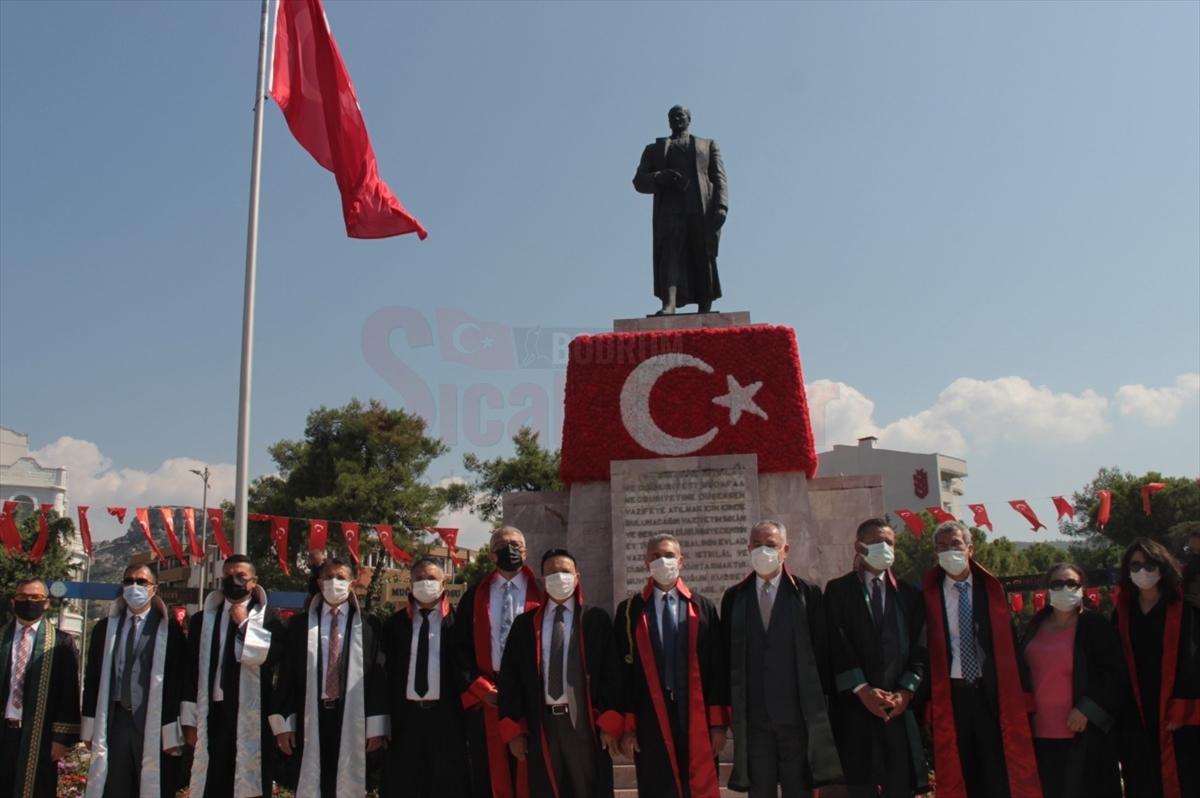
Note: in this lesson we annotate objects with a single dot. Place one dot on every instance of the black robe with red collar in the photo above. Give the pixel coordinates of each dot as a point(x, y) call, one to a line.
point(522, 693)
point(705, 701)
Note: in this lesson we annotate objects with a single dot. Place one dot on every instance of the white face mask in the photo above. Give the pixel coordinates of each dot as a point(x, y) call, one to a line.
point(953, 562)
point(1144, 579)
point(1065, 598)
point(335, 591)
point(880, 556)
point(560, 586)
point(426, 590)
point(665, 570)
point(765, 560)
point(136, 596)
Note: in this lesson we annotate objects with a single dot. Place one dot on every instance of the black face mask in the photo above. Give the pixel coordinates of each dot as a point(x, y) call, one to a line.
point(509, 558)
point(234, 588)
point(28, 610)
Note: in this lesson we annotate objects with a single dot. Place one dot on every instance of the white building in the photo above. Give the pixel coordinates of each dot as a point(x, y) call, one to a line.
point(911, 481)
point(30, 484)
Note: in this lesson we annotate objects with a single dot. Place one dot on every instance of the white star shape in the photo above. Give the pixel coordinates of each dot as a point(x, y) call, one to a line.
point(740, 399)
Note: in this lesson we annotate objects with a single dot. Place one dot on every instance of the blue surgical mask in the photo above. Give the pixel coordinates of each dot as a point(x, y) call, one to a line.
point(136, 596)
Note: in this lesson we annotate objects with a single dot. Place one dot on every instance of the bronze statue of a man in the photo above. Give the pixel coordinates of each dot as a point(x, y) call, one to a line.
point(686, 177)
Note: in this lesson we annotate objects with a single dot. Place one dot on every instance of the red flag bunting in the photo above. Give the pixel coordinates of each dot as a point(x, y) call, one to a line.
point(1104, 512)
point(279, 538)
point(143, 517)
point(8, 528)
point(43, 539)
point(258, 517)
point(216, 519)
point(1016, 601)
point(350, 533)
point(449, 535)
point(981, 516)
point(189, 523)
point(1039, 600)
point(85, 529)
point(1092, 594)
point(387, 538)
point(117, 513)
point(1022, 507)
point(913, 521)
point(180, 614)
point(940, 515)
point(312, 86)
point(1064, 508)
point(168, 518)
point(1149, 490)
point(318, 534)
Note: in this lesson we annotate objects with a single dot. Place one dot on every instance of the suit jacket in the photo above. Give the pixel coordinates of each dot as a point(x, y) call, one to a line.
point(397, 636)
point(709, 177)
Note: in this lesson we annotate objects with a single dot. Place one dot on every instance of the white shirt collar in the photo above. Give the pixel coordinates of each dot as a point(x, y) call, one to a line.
point(22, 627)
point(774, 581)
point(951, 581)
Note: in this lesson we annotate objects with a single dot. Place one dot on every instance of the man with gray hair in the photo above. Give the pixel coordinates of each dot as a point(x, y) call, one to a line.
point(675, 724)
point(981, 733)
point(774, 629)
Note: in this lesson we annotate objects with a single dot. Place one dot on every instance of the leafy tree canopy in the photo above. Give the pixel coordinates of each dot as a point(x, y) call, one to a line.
point(532, 467)
point(1174, 510)
point(55, 563)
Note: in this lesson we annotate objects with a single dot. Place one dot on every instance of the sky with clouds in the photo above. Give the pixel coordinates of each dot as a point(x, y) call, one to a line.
point(980, 218)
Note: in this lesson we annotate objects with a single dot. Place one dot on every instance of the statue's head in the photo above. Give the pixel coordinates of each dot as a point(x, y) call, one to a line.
point(679, 118)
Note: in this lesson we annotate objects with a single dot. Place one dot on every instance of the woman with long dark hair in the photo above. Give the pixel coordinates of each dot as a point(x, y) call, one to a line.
point(1071, 663)
point(1161, 723)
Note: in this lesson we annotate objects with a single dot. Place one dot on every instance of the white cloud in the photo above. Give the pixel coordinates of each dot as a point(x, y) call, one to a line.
point(968, 410)
point(1158, 407)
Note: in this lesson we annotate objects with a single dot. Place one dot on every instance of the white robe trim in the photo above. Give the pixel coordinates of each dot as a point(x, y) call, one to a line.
point(247, 771)
point(352, 772)
point(155, 738)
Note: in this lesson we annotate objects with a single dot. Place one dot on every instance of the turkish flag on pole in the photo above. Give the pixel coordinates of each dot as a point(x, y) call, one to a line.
point(216, 519)
point(940, 515)
point(117, 513)
point(318, 534)
point(350, 533)
point(1016, 601)
point(312, 86)
point(1064, 508)
point(981, 516)
point(1039, 600)
point(43, 538)
point(1147, 491)
point(279, 537)
point(1022, 507)
point(1104, 511)
point(913, 521)
point(389, 544)
point(189, 523)
point(143, 517)
point(168, 517)
point(8, 528)
point(85, 529)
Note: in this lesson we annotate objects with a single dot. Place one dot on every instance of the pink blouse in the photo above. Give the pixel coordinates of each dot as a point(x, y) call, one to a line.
point(1051, 659)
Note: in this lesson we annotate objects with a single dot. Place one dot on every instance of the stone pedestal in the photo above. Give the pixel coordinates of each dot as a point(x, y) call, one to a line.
point(683, 321)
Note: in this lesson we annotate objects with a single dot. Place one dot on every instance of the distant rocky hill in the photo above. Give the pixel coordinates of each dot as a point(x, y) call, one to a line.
point(111, 556)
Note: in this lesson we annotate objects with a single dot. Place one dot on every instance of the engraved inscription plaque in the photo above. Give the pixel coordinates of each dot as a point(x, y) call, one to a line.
point(709, 503)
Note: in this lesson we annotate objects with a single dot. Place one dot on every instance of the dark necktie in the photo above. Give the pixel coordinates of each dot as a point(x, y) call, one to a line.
point(554, 668)
point(966, 634)
point(127, 671)
point(668, 643)
point(877, 601)
point(229, 665)
point(421, 677)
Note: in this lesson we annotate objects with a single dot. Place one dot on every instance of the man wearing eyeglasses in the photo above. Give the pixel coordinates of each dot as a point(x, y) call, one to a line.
point(39, 689)
point(137, 675)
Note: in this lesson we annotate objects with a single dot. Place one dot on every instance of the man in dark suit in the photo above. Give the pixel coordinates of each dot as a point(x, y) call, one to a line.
point(331, 694)
point(557, 689)
point(877, 641)
point(982, 741)
point(691, 199)
point(39, 690)
point(774, 628)
point(429, 754)
point(235, 643)
point(137, 675)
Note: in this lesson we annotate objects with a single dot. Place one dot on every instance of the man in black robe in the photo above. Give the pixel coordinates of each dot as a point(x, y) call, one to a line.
point(424, 687)
point(774, 628)
point(136, 678)
point(236, 642)
point(877, 641)
point(331, 694)
point(674, 684)
point(39, 690)
point(691, 199)
point(557, 686)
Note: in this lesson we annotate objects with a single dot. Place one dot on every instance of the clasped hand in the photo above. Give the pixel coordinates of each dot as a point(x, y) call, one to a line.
point(884, 704)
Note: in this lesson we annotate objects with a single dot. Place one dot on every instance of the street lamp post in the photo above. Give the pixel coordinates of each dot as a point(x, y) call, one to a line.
point(203, 530)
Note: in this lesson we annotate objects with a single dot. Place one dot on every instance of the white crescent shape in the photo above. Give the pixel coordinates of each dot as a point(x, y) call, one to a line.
point(635, 405)
point(456, 342)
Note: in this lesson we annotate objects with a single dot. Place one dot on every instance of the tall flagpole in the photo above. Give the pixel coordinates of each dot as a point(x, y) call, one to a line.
point(241, 501)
